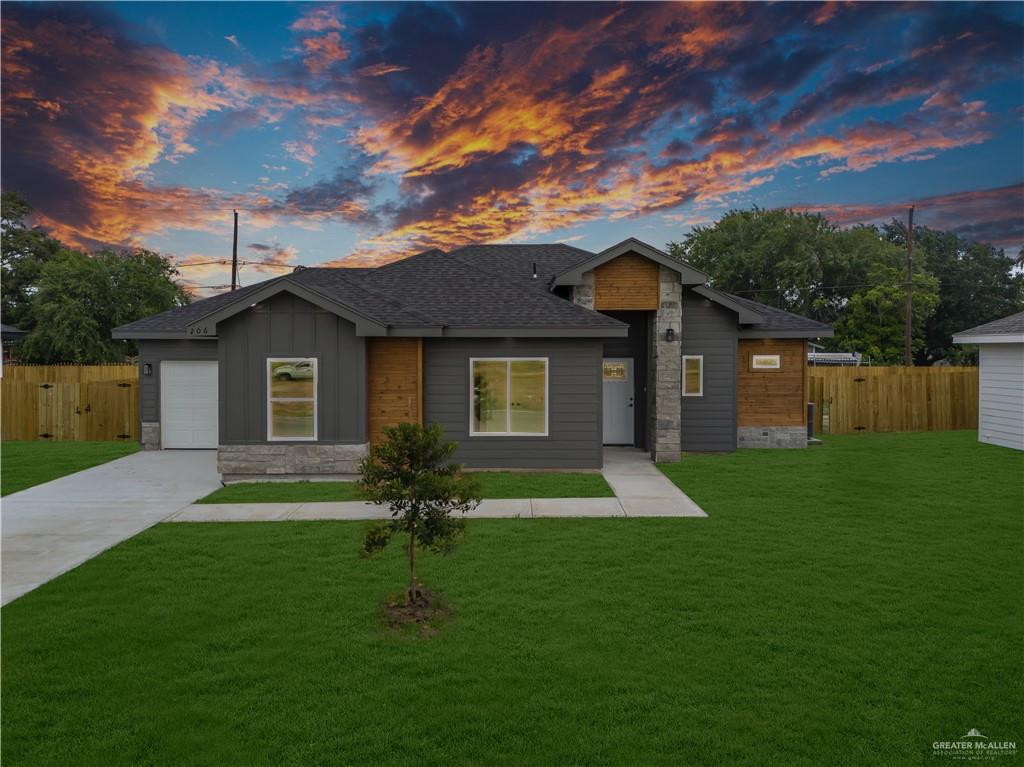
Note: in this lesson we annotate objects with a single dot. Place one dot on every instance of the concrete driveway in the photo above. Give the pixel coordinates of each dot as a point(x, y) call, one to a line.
point(51, 528)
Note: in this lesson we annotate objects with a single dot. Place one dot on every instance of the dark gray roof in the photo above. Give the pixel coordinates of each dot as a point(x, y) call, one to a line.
point(777, 319)
point(1011, 325)
point(11, 333)
point(475, 287)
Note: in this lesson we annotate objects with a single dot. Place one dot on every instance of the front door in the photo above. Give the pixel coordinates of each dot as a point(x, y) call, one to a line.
point(617, 384)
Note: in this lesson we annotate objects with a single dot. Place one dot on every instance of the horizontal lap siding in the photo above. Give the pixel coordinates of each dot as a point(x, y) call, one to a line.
point(1001, 395)
point(627, 282)
point(709, 421)
point(287, 326)
point(155, 352)
point(574, 407)
point(772, 397)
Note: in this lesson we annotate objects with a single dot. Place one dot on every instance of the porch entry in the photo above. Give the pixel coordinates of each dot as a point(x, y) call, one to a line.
point(618, 391)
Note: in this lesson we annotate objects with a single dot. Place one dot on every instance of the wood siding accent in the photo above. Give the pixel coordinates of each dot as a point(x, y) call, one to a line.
point(629, 282)
point(772, 397)
point(395, 391)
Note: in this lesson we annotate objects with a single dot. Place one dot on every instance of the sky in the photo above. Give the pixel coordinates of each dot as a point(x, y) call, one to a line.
point(357, 134)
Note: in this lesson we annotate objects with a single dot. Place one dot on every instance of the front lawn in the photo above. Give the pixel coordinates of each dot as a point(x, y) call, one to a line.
point(493, 484)
point(843, 605)
point(24, 464)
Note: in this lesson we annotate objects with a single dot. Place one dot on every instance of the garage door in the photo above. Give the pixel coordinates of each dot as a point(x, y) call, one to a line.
point(188, 404)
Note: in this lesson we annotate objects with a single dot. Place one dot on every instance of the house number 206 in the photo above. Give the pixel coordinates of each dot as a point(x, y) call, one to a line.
point(199, 331)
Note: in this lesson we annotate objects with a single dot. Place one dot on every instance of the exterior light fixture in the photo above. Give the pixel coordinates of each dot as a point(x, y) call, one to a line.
point(670, 335)
point(147, 368)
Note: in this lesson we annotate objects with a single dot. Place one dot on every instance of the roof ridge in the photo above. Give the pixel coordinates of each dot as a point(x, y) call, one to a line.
point(405, 260)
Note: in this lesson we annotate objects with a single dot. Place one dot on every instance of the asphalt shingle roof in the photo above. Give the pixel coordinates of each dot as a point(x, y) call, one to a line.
point(1006, 326)
point(477, 286)
point(777, 319)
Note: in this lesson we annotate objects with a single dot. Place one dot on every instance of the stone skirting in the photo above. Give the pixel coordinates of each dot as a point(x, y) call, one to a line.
point(771, 436)
point(583, 294)
point(269, 461)
point(150, 436)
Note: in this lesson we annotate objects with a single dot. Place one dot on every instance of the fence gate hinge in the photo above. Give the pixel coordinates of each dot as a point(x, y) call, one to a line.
point(859, 380)
point(45, 386)
point(124, 436)
point(859, 428)
point(124, 385)
point(45, 435)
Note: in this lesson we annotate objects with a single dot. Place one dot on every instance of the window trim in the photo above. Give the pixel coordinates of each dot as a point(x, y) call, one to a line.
point(777, 358)
point(700, 391)
point(508, 397)
point(272, 399)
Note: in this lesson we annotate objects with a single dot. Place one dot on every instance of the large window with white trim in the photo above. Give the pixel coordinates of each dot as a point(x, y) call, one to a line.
point(509, 396)
point(291, 398)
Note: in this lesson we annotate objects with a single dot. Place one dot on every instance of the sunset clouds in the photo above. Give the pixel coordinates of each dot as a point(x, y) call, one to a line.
point(417, 126)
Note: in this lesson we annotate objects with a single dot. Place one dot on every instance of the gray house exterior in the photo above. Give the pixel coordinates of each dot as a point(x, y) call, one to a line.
point(529, 356)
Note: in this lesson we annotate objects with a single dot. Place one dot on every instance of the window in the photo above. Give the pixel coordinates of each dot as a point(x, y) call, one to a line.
point(765, 362)
point(510, 396)
point(614, 371)
point(291, 398)
point(693, 375)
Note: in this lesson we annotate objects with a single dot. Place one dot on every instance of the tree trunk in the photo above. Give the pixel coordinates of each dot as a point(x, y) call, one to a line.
point(413, 592)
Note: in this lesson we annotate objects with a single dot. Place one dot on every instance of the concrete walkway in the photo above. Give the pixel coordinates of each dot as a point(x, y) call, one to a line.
point(642, 489)
point(50, 528)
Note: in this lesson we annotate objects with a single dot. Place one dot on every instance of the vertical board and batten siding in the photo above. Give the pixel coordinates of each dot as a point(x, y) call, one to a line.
point(629, 282)
point(897, 398)
point(70, 402)
point(154, 352)
point(287, 326)
point(1001, 395)
point(772, 397)
point(709, 421)
point(395, 370)
point(574, 407)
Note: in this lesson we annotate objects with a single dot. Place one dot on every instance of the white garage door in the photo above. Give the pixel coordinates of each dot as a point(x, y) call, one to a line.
point(188, 404)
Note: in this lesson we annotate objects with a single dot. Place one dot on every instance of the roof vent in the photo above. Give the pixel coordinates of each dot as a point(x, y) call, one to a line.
point(534, 270)
point(298, 268)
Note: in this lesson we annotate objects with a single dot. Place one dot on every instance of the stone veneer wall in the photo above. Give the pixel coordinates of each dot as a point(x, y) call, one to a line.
point(583, 294)
point(268, 462)
point(668, 374)
point(150, 435)
point(771, 436)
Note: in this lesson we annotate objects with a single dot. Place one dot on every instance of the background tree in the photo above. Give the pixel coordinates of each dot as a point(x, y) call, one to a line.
point(411, 473)
point(976, 284)
point(854, 279)
point(78, 300)
point(24, 251)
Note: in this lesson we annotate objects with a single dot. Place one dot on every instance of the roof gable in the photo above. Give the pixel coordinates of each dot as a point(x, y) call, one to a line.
point(574, 274)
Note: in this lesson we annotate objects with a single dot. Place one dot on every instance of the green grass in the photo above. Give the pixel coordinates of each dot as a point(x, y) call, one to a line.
point(493, 484)
point(24, 464)
point(843, 605)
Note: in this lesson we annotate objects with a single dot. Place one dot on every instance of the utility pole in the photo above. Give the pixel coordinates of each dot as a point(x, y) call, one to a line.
point(235, 254)
point(908, 358)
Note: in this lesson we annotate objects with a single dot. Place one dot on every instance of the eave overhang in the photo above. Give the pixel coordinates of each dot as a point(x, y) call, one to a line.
point(574, 275)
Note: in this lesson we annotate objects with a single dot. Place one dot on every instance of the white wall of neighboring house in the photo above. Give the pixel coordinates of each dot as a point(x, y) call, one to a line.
point(1001, 398)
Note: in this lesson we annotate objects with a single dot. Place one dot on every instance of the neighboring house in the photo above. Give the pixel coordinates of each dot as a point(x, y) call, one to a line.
point(1001, 385)
point(9, 336)
point(529, 356)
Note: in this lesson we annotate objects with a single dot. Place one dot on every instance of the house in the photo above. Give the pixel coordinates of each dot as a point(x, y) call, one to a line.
point(9, 336)
point(1001, 379)
point(529, 356)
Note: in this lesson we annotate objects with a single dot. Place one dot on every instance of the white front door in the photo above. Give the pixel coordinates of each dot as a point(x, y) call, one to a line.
point(617, 384)
point(188, 404)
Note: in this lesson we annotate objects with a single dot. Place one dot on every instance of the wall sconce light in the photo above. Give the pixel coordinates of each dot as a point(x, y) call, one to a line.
point(670, 335)
point(147, 368)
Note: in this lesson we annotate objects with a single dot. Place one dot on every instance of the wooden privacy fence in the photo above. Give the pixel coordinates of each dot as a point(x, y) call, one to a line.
point(854, 399)
point(70, 402)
